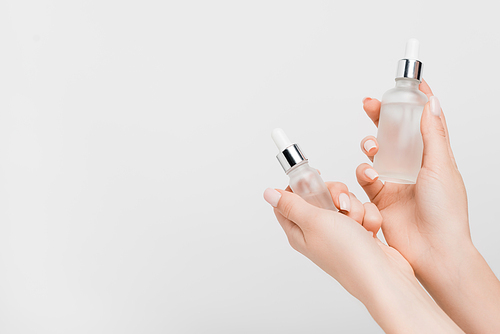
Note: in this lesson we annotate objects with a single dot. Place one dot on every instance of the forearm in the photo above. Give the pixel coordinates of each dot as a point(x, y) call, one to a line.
point(466, 289)
point(400, 305)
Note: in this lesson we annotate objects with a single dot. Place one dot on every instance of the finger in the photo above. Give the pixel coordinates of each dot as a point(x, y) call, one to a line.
point(293, 207)
point(357, 209)
point(293, 232)
point(424, 88)
point(436, 145)
point(272, 197)
point(368, 180)
point(369, 146)
point(372, 108)
point(372, 220)
point(340, 196)
point(452, 156)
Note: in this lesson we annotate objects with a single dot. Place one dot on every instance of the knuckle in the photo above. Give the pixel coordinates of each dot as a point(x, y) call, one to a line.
point(343, 188)
point(296, 239)
point(441, 131)
point(294, 244)
point(375, 219)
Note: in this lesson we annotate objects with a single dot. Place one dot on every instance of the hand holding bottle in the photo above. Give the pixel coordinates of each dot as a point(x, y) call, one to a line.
point(428, 224)
point(371, 271)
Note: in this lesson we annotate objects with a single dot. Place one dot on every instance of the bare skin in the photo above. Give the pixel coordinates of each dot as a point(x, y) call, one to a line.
point(428, 224)
point(427, 229)
point(371, 271)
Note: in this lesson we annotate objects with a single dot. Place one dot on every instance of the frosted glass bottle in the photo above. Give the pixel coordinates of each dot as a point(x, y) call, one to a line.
point(305, 181)
point(399, 157)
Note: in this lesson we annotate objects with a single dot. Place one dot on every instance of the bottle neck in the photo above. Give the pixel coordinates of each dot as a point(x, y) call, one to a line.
point(297, 167)
point(407, 83)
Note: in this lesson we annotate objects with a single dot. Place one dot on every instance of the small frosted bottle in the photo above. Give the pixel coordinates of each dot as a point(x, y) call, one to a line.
point(305, 181)
point(399, 157)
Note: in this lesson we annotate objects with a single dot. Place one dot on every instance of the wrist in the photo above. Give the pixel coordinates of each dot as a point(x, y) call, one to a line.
point(466, 289)
point(446, 263)
point(400, 305)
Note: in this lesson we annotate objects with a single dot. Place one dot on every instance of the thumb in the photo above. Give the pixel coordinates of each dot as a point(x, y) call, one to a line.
point(434, 134)
point(293, 207)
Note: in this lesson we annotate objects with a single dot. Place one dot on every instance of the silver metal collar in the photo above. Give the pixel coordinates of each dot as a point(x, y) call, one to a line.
point(409, 68)
point(290, 157)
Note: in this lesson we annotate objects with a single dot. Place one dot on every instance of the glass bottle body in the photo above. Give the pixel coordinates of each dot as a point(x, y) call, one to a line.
point(399, 157)
point(306, 182)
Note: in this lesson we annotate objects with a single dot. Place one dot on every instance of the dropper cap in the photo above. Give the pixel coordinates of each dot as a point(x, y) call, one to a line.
point(410, 67)
point(290, 154)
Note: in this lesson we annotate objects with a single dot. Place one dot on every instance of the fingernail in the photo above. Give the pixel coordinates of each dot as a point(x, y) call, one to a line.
point(366, 98)
point(371, 173)
point(369, 145)
point(345, 202)
point(435, 106)
point(272, 196)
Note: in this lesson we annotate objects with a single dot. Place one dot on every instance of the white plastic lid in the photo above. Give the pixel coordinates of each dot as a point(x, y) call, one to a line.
point(412, 47)
point(280, 139)
point(410, 67)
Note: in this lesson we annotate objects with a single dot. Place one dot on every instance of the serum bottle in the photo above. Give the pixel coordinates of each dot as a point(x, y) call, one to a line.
point(399, 157)
point(305, 181)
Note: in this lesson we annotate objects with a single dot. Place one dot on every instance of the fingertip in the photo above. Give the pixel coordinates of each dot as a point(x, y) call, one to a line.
point(366, 174)
point(295, 208)
point(425, 88)
point(371, 174)
point(371, 105)
point(272, 196)
point(368, 179)
point(336, 190)
point(434, 106)
point(369, 146)
point(434, 136)
point(344, 202)
point(372, 109)
point(431, 121)
point(356, 211)
point(360, 171)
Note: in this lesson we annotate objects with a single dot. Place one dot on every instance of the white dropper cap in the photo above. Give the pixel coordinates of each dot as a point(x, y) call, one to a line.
point(410, 67)
point(289, 154)
point(412, 49)
point(280, 139)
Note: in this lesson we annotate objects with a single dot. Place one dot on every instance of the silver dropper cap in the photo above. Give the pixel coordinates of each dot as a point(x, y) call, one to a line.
point(290, 154)
point(410, 67)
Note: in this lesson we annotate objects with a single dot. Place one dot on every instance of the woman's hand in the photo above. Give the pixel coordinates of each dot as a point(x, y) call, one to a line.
point(428, 223)
point(373, 272)
point(428, 219)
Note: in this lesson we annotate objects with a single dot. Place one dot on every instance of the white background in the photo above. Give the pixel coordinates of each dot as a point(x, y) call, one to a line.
point(135, 147)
